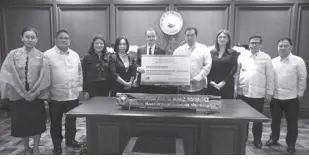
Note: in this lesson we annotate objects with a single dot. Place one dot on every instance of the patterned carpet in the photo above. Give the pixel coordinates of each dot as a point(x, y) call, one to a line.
point(13, 146)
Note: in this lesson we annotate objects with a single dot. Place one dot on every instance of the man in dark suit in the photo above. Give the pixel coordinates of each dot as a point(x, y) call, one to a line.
point(149, 49)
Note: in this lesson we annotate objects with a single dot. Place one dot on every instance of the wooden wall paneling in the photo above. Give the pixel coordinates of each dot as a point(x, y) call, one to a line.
point(271, 21)
point(83, 22)
point(231, 27)
point(303, 33)
point(303, 47)
point(4, 35)
point(203, 2)
point(270, 1)
point(293, 27)
point(16, 18)
point(112, 23)
point(2, 51)
point(208, 19)
point(26, 2)
point(267, 2)
point(133, 20)
point(83, 2)
point(141, 2)
point(55, 21)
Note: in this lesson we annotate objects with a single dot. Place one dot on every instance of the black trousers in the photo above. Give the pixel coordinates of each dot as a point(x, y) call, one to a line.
point(257, 104)
point(291, 111)
point(56, 109)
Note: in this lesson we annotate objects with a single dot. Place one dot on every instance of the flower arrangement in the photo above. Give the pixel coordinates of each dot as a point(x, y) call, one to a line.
point(240, 49)
point(110, 50)
point(133, 48)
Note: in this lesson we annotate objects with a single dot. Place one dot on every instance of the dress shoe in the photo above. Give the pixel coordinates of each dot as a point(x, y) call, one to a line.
point(258, 143)
point(36, 151)
point(291, 149)
point(29, 151)
point(272, 142)
point(57, 150)
point(73, 143)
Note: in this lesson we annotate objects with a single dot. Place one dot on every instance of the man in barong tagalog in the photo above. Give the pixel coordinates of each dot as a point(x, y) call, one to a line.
point(24, 79)
point(66, 88)
point(200, 63)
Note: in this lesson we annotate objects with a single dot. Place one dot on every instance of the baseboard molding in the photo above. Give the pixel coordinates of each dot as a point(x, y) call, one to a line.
point(303, 113)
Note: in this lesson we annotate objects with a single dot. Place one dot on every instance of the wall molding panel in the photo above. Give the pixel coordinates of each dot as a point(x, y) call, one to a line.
point(16, 17)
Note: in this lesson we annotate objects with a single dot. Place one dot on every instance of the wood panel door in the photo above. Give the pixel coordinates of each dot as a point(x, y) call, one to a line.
point(16, 18)
point(207, 19)
point(270, 21)
point(82, 23)
point(303, 47)
point(132, 22)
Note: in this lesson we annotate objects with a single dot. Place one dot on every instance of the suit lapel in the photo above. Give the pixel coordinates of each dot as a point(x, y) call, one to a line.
point(120, 61)
point(144, 50)
point(156, 50)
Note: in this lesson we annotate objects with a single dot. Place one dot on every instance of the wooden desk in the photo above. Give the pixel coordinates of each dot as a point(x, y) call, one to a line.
point(109, 127)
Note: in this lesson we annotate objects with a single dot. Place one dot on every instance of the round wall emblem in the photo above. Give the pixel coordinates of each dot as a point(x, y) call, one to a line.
point(171, 22)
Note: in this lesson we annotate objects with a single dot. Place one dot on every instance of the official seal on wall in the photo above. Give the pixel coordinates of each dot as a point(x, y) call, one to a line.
point(171, 22)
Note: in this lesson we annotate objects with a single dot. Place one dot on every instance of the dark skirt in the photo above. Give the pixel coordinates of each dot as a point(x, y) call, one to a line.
point(98, 88)
point(27, 118)
point(227, 91)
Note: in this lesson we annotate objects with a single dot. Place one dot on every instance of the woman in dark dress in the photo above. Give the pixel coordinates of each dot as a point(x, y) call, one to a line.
point(224, 66)
point(95, 69)
point(25, 78)
point(122, 67)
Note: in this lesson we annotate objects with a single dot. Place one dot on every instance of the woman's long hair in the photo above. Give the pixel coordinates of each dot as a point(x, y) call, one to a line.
point(92, 50)
point(228, 44)
point(117, 42)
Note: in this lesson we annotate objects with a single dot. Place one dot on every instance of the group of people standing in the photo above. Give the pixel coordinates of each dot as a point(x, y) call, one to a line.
point(28, 77)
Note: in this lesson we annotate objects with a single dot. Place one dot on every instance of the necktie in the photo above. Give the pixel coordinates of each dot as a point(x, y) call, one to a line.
point(150, 53)
point(26, 74)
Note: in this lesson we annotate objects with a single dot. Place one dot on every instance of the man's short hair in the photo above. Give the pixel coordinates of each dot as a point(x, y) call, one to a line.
point(61, 31)
point(287, 39)
point(256, 36)
point(192, 28)
point(150, 29)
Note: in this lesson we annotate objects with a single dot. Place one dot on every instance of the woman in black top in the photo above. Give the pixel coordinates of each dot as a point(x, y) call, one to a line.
point(95, 69)
point(122, 67)
point(224, 66)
